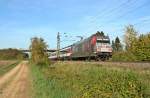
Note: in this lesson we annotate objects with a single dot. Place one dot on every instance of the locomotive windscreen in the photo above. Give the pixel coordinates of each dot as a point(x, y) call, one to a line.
point(103, 41)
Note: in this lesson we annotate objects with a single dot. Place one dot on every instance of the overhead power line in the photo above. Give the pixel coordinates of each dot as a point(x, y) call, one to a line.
point(125, 14)
point(110, 11)
point(105, 11)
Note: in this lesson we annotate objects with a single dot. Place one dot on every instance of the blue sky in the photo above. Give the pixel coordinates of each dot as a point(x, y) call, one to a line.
point(20, 20)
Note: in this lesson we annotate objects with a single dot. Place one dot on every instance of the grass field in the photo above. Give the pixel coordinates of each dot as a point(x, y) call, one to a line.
point(6, 66)
point(90, 80)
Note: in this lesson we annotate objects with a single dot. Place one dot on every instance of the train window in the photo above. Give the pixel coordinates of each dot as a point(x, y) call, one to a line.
point(103, 41)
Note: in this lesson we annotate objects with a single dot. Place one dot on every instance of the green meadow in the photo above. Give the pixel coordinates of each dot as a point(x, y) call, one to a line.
point(89, 80)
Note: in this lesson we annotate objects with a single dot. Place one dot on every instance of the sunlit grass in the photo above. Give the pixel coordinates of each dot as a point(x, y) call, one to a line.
point(45, 87)
point(86, 80)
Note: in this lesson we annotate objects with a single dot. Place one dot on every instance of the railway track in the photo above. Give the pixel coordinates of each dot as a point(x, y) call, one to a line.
point(130, 65)
point(93, 61)
point(128, 61)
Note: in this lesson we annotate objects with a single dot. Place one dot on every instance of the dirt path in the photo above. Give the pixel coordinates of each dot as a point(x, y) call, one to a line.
point(15, 83)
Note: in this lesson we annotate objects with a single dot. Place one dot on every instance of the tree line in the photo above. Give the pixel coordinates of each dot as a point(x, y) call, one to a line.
point(136, 48)
point(12, 54)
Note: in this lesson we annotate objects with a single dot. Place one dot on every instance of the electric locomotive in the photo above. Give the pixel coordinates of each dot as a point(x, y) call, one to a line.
point(95, 47)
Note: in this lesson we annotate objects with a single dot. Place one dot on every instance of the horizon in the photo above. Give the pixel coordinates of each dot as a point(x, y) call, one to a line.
point(21, 20)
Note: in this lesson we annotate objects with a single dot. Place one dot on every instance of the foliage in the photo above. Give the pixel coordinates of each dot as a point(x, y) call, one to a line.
point(38, 48)
point(87, 80)
point(137, 47)
point(117, 45)
point(142, 47)
point(12, 54)
point(113, 45)
point(123, 56)
point(130, 36)
point(100, 33)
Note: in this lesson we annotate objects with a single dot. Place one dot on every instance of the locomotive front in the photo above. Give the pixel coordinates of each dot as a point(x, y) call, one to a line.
point(102, 47)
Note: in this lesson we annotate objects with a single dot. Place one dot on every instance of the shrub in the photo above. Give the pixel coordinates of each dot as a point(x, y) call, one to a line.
point(123, 56)
point(142, 47)
point(38, 48)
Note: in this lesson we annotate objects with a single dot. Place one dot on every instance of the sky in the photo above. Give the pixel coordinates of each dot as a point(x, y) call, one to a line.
point(21, 20)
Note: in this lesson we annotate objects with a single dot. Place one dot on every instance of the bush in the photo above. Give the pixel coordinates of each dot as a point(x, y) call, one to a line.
point(123, 56)
point(39, 55)
point(142, 47)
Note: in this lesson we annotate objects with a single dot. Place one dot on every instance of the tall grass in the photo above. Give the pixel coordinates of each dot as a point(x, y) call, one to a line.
point(45, 87)
point(85, 80)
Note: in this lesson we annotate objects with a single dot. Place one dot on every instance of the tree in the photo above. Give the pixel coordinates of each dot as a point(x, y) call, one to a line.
point(12, 54)
point(113, 45)
point(117, 44)
point(142, 47)
point(100, 33)
point(130, 36)
point(38, 48)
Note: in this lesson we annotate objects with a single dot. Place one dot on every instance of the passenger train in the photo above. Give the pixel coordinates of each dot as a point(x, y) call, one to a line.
point(96, 47)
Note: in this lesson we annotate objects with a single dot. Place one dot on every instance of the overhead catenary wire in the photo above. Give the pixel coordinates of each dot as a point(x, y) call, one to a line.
point(110, 11)
point(125, 14)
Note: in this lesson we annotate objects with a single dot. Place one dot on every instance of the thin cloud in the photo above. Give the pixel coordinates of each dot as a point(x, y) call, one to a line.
point(145, 18)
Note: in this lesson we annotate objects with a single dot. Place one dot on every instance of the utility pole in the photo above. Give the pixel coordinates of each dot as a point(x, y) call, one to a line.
point(58, 45)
